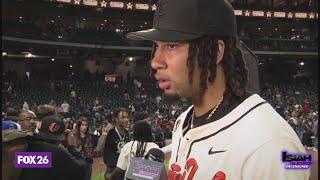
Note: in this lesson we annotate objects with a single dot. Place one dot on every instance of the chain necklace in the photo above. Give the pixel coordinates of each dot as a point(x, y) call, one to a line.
point(210, 115)
point(119, 135)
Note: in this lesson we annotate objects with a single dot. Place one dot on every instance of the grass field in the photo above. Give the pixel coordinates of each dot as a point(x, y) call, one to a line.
point(100, 176)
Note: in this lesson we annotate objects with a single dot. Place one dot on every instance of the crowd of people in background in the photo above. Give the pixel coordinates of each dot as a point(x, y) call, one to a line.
point(103, 124)
point(296, 103)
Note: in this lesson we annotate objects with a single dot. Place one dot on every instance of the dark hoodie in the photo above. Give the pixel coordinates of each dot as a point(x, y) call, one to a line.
point(66, 164)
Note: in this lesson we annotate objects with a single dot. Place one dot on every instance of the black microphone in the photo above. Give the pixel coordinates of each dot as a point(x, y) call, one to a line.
point(155, 154)
point(149, 167)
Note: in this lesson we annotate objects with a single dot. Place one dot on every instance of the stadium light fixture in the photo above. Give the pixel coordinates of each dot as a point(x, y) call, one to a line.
point(29, 55)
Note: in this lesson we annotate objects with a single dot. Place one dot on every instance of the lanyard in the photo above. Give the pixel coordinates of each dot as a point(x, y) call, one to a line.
point(120, 137)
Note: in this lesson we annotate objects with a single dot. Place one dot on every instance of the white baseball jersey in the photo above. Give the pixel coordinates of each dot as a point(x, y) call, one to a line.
point(244, 144)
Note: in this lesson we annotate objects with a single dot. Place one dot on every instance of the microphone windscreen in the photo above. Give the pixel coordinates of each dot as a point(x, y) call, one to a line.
point(155, 154)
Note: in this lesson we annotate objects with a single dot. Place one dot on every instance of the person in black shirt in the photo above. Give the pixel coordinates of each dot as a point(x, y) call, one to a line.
point(67, 163)
point(116, 138)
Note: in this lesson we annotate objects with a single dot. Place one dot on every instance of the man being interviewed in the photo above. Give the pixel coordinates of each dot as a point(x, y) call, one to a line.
point(228, 133)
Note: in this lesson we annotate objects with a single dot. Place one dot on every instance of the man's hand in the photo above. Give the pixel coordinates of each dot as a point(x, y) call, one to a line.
point(109, 126)
point(107, 129)
point(70, 138)
point(107, 176)
point(104, 133)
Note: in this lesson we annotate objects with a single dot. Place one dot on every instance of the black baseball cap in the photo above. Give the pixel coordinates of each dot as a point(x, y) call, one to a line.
point(183, 20)
point(52, 129)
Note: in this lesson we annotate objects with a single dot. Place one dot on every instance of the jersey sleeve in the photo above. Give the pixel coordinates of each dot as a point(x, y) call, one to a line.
point(266, 163)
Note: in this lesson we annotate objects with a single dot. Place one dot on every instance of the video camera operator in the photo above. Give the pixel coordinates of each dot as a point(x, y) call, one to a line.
point(67, 163)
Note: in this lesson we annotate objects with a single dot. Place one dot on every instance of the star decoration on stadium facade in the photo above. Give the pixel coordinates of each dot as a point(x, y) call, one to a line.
point(311, 16)
point(154, 7)
point(129, 6)
point(247, 13)
point(290, 15)
point(268, 14)
point(103, 4)
point(76, 1)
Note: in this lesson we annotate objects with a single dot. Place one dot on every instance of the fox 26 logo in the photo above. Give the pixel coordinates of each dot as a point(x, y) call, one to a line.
point(33, 160)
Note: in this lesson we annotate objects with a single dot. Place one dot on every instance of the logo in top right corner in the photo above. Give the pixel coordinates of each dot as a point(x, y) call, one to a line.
point(296, 161)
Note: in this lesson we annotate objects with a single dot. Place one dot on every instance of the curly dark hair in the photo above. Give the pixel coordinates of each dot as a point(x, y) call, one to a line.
point(204, 50)
point(118, 111)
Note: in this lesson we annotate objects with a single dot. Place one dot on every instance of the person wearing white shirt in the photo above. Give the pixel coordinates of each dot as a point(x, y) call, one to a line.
point(65, 107)
point(139, 147)
point(228, 132)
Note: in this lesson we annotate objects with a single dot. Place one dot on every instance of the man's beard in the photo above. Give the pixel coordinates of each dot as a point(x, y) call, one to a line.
point(171, 99)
